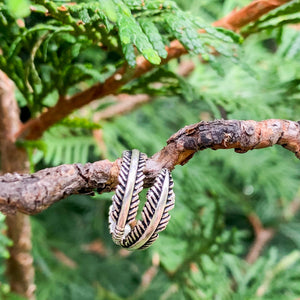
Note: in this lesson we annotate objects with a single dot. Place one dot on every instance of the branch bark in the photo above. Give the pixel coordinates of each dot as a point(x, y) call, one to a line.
point(34, 193)
point(250, 13)
point(19, 270)
point(34, 128)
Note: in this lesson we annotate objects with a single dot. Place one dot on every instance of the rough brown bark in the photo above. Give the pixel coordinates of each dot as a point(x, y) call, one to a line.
point(20, 271)
point(34, 193)
point(34, 128)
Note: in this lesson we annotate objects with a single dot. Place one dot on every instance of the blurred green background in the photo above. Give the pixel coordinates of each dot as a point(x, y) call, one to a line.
point(201, 254)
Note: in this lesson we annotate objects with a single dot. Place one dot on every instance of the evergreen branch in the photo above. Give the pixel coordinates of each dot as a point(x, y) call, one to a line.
point(285, 14)
point(250, 13)
point(35, 128)
point(285, 263)
point(34, 193)
point(126, 103)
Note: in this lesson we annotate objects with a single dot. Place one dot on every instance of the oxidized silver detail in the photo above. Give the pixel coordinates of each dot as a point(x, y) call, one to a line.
point(155, 214)
point(126, 198)
point(125, 230)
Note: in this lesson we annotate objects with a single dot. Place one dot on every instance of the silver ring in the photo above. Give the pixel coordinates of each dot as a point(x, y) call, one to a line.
point(125, 230)
point(126, 198)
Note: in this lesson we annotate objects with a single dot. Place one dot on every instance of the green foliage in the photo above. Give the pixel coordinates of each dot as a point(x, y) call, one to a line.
point(68, 142)
point(4, 241)
point(161, 82)
point(264, 279)
point(47, 51)
point(288, 13)
point(64, 48)
point(76, 122)
point(17, 8)
point(201, 251)
point(67, 146)
point(4, 254)
point(130, 34)
point(154, 36)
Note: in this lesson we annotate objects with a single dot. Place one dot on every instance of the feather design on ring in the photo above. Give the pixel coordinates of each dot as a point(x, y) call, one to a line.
point(125, 230)
point(126, 198)
point(155, 214)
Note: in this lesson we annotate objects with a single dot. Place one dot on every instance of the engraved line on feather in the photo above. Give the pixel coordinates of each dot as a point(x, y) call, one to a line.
point(126, 198)
point(155, 214)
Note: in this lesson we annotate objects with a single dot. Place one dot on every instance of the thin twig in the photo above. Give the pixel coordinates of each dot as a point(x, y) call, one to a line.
point(125, 103)
point(264, 235)
point(147, 277)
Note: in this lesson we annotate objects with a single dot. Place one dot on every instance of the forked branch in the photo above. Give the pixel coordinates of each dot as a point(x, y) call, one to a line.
point(33, 193)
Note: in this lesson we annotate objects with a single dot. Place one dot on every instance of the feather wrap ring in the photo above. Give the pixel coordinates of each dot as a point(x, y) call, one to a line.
point(126, 231)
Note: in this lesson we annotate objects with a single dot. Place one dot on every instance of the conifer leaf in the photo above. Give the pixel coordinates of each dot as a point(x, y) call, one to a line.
point(18, 8)
point(154, 36)
point(63, 147)
point(292, 49)
point(224, 34)
point(151, 55)
point(131, 32)
point(76, 122)
point(185, 32)
point(84, 15)
point(129, 52)
point(109, 9)
point(288, 8)
point(287, 13)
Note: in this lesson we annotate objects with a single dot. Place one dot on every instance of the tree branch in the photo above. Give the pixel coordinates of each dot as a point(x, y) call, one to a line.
point(19, 266)
point(250, 13)
point(34, 128)
point(34, 193)
point(127, 103)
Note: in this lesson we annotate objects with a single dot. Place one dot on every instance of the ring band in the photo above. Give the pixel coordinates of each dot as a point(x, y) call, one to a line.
point(125, 230)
